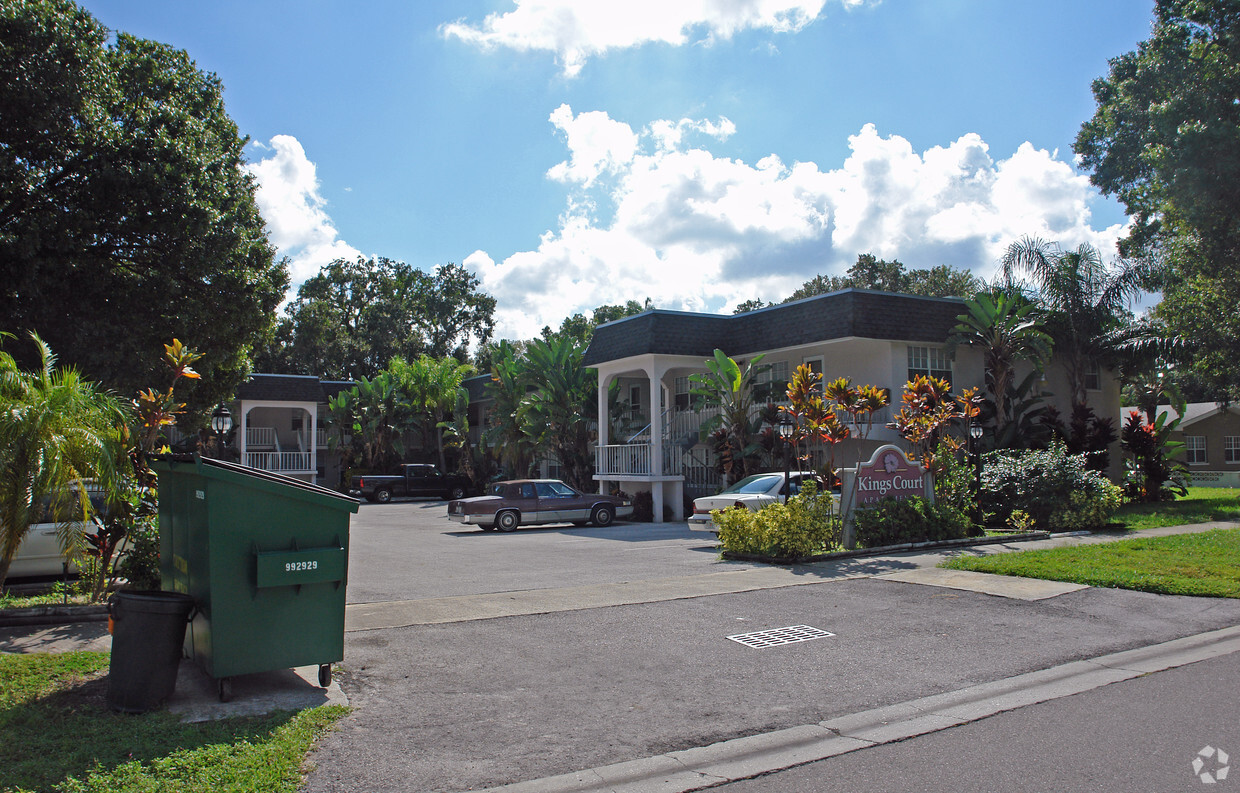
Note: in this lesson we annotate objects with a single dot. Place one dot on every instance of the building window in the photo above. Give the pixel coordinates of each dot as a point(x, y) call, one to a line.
point(814, 364)
point(1195, 449)
point(635, 402)
point(932, 361)
point(1231, 449)
point(772, 384)
point(684, 398)
point(1093, 378)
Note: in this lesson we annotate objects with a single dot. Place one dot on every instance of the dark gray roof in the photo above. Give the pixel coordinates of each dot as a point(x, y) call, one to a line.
point(476, 387)
point(849, 312)
point(289, 388)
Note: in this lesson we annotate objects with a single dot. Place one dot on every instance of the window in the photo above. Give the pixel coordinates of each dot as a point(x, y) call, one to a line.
point(932, 361)
point(1231, 449)
point(772, 385)
point(684, 397)
point(1093, 378)
point(635, 402)
point(1195, 449)
point(814, 364)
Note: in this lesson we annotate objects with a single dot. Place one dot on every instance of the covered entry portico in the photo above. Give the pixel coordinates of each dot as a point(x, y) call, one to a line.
point(649, 457)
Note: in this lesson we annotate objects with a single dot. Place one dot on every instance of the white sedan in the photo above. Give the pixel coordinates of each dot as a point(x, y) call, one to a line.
point(753, 493)
point(39, 553)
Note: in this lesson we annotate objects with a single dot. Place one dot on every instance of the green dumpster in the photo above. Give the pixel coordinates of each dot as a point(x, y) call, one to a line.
point(265, 559)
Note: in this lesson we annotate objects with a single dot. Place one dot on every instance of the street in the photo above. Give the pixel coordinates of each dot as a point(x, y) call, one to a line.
point(472, 703)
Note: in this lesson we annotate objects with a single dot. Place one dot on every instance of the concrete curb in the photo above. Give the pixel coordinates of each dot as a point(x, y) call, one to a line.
point(744, 758)
point(898, 548)
point(52, 615)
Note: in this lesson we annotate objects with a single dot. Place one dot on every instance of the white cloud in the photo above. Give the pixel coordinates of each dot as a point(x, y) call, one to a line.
point(576, 30)
point(696, 231)
point(289, 199)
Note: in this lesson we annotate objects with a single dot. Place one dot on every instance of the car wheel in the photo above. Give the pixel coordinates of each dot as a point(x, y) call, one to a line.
point(456, 492)
point(383, 495)
point(507, 521)
point(603, 515)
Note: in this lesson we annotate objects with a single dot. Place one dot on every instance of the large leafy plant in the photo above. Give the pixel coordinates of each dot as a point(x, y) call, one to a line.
point(728, 387)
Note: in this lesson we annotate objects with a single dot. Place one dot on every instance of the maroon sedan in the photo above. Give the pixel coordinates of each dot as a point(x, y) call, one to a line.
point(508, 505)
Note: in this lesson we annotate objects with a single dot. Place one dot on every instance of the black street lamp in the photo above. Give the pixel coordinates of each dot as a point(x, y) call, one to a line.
point(786, 427)
point(221, 423)
point(975, 434)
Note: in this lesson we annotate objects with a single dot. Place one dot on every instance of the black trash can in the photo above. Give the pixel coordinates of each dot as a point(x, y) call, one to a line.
point(148, 630)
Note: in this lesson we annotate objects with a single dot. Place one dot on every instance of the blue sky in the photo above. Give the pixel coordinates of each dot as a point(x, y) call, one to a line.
point(699, 153)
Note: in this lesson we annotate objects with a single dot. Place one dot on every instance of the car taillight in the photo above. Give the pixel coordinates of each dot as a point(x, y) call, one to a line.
point(361, 482)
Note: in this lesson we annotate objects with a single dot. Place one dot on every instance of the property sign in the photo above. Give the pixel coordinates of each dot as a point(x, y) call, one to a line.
point(888, 474)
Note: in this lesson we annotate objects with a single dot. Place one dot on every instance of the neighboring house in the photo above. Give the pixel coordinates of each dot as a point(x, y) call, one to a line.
point(280, 425)
point(875, 338)
point(1211, 436)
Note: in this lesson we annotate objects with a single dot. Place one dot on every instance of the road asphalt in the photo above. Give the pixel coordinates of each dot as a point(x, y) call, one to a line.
point(643, 684)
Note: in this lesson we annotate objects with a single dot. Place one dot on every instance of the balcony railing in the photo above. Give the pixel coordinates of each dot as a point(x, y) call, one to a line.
point(625, 459)
point(261, 436)
point(279, 461)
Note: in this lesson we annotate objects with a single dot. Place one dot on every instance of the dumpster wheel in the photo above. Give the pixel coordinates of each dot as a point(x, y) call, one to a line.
point(225, 688)
point(325, 675)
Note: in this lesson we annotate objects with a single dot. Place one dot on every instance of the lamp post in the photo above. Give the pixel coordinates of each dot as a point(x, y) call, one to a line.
point(975, 434)
point(785, 431)
point(221, 423)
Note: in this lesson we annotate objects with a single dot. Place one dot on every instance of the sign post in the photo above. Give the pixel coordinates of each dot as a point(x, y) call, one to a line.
point(889, 473)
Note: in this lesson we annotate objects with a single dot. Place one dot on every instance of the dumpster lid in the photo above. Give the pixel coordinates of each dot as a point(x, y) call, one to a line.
point(201, 462)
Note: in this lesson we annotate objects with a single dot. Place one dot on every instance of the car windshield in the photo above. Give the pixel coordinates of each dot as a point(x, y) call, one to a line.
point(555, 490)
point(498, 489)
point(758, 483)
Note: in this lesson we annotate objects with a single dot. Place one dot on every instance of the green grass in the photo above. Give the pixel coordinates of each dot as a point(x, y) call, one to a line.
point(1203, 505)
point(1205, 564)
point(57, 734)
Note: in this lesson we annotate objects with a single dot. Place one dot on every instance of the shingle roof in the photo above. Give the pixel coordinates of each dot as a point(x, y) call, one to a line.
point(1193, 411)
point(476, 387)
point(850, 312)
point(287, 388)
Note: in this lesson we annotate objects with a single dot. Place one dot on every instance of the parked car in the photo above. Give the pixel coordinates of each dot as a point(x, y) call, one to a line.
point(414, 479)
point(39, 554)
point(753, 493)
point(531, 502)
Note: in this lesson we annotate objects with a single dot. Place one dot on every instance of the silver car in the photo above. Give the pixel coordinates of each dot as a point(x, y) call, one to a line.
point(753, 493)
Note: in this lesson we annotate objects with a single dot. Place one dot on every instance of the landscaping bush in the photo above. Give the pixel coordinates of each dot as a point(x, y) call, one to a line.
point(643, 506)
point(805, 526)
point(893, 522)
point(1055, 490)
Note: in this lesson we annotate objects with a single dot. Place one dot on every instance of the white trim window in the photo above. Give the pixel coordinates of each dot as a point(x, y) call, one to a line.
point(683, 397)
point(932, 361)
point(1195, 449)
point(1231, 449)
point(772, 384)
point(814, 364)
point(1093, 377)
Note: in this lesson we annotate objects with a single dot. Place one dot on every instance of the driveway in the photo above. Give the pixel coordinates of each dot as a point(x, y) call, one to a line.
point(409, 550)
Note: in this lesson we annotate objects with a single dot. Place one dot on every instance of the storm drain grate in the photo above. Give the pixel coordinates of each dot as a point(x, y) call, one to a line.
point(779, 636)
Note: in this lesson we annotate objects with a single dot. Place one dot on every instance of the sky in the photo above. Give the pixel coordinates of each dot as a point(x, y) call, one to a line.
point(699, 153)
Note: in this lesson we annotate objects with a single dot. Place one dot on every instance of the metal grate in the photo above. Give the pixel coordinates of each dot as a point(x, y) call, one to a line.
point(779, 636)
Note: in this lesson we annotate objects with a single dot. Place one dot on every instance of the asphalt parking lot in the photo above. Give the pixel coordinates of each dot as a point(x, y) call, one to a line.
point(409, 550)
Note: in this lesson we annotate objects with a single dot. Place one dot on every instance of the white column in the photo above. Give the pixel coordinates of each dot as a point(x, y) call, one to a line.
point(314, 445)
point(242, 431)
point(655, 372)
point(604, 424)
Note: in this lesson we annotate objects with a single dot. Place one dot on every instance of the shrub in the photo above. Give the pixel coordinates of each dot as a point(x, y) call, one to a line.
point(1036, 482)
point(892, 522)
point(805, 526)
point(643, 506)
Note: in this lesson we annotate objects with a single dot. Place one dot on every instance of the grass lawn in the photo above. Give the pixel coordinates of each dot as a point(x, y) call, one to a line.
point(57, 733)
point(1206, 564)
point(1203, 504)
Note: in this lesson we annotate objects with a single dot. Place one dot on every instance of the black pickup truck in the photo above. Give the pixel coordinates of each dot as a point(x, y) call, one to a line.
point(415, 479)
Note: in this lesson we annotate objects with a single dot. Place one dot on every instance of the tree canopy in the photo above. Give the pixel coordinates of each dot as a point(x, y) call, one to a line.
point(125, 215)
point(870, 272)
point(1165, 140)
point(354, 317)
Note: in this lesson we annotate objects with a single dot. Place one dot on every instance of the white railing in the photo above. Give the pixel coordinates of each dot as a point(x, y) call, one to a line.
point(279, 461)
point(261, 436)
point(320, 437)
point(625, 459)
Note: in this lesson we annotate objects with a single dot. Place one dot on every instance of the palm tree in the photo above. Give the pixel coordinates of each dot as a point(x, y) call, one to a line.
point(1085, 305)
point(1004, 327)
point(432, 384)
point(560, 411)
point(507, 426)
point(56, 429)
point(730, 387)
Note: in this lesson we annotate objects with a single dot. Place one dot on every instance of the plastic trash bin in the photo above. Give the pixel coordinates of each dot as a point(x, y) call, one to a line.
point(265, 558)
point(148, 631)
